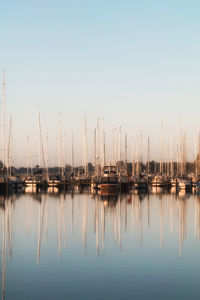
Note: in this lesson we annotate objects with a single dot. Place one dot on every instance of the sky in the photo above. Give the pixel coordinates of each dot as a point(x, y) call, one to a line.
point(131, 63)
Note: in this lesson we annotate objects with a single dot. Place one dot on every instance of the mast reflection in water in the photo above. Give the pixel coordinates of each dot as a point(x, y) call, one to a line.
point(110, 246)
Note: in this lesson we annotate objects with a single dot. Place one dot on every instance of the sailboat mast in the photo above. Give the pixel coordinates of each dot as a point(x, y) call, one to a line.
point(47, 158)
point(126, 154)
point(103, 145)
point(4, 120)
point(65, 156)
point(184, 153)
point(172, 169)
point(133, 162)
point(161, 149)
point(60, 146)
point(39, 148)
point(115, 146)
point(141, 151)
point(41, 143)
point(97, 147)
point(180, 147)
point(197, 157)
point(85, 146)
point(137, 156)
point(120, 148)
point(148, 155)
point(27, 165)
point(9, 149)
point(73, 154)
point(95, 152)
point(113, 151)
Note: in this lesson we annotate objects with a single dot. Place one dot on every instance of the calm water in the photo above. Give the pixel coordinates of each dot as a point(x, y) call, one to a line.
point(83, 246)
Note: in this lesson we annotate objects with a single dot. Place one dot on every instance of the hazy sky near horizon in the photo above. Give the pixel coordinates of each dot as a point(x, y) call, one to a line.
point(133, 63)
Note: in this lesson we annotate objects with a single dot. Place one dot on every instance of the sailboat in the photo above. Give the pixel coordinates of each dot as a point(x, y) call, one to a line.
point(185, 184)
point(160, 181)
point(174, 182)
point(55, 181)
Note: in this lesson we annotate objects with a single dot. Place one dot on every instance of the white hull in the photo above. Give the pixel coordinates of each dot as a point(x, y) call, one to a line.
point(185, 186)
point(54, 183)
point(108, 186)
point(30, 183)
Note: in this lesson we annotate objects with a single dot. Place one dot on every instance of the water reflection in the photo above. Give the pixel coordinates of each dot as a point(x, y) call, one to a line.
point(6, 226)
point(101, 219)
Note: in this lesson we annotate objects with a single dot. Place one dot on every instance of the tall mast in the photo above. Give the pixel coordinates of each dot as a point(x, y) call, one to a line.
point(161, 149)
point(177, 164)
point(41, 143)
point(113, 147)
point(38, 133)
point(137, 157)
point(27, 165)
point(172, 167)
point(73, 154)
point(120, 150)
point(126, 153)
point(95, 152)
point(133, 162)
point(199, 144)
point(47, 157)
point(141, 151)
point(4, 119)
point(103, 145)
point(65, 151)
point(196, 157)
point(180, 147)
point(184, 153)
point(85, 146)
point(97, 147)
point(60, 146)
point(167, 163)
point(9, 149)
point(148, 155)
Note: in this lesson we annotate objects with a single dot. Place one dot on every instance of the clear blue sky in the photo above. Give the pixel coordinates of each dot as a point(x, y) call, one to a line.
point(132, 63)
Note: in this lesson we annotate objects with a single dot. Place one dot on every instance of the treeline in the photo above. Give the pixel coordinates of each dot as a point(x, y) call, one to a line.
point(154, 168)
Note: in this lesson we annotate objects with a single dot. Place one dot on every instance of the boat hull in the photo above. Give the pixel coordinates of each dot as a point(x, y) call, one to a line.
point(30, 183)
point(108, 186)
point(54, 183)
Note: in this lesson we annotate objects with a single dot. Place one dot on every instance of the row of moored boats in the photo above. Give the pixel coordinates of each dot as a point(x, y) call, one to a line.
point(109, 179)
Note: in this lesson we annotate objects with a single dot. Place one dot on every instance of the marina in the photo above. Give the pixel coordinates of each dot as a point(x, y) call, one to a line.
point(99, 150)
point(112, 166)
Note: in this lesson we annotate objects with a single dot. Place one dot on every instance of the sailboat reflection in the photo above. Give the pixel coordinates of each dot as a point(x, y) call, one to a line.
point(108, 198)
point(30, 189)
point(6, 205)
point(52, 190)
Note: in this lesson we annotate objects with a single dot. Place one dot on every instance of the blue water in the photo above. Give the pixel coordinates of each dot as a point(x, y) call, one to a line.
point(86, 246)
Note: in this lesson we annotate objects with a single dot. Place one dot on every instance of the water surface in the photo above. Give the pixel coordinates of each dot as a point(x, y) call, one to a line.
point(84, 246)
